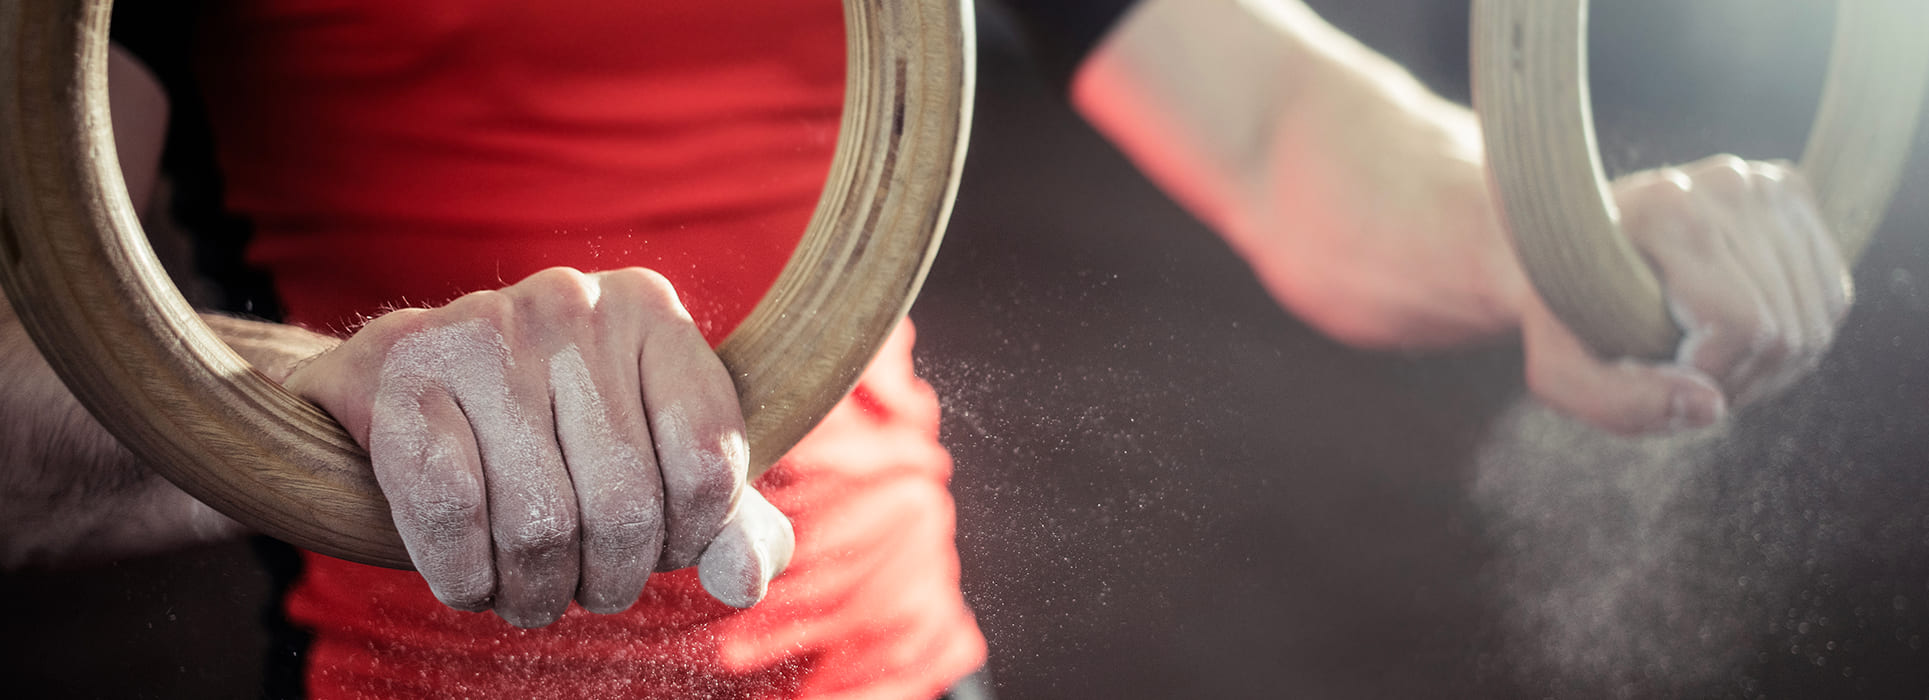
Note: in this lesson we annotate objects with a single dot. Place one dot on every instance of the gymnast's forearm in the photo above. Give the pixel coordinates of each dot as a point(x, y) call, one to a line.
point(69, 492)
point(1358, 197)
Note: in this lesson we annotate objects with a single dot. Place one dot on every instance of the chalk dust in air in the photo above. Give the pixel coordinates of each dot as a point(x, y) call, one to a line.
point(1723, 563)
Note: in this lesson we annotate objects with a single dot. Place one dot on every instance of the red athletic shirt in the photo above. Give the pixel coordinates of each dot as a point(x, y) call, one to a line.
point(404, 152)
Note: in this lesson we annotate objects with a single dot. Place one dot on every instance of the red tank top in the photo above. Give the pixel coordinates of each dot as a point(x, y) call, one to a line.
point(397, 153)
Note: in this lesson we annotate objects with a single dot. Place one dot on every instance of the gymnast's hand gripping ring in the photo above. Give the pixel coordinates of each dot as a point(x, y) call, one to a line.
point(78, 270)
point(1530, 87)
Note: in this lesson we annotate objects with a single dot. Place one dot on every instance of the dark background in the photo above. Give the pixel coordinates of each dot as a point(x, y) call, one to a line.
point(1169, 488)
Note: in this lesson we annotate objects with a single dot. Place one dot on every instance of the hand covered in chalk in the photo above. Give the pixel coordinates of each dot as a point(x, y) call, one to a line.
point(560, 438)
point(1752, 278)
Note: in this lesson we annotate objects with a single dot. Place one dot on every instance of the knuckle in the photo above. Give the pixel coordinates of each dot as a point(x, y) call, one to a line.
point(1654, 206)
point(646, 290)
point(471, 592)
point(1772, 171)
point(640, 281)
point(490, 304)
point(707, 497)
point(1724, 173)
point(404, 318)
point(1668, 188)
point(446, 510)
point(559, 295)
point(625, 533)
point(555, 280)
point(541, 536)
point(697, 514)
point(392, 327)
point(444, 502)
point(1672, 182)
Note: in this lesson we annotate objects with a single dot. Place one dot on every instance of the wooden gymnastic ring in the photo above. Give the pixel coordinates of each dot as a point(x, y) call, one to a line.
point(80, 275)
point(1530, 88)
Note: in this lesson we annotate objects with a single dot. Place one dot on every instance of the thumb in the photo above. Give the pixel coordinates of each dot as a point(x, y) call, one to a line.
point(754, 546)
point(1625, 396)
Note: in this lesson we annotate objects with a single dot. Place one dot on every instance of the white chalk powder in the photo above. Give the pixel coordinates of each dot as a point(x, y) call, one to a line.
point(1604, 575)
point(469, 362)
point(752, 549)
point(439, 382)
point(617, 487)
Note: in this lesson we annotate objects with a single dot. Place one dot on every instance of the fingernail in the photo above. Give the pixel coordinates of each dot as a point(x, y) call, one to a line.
point(760, 550)
point(466, 605)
